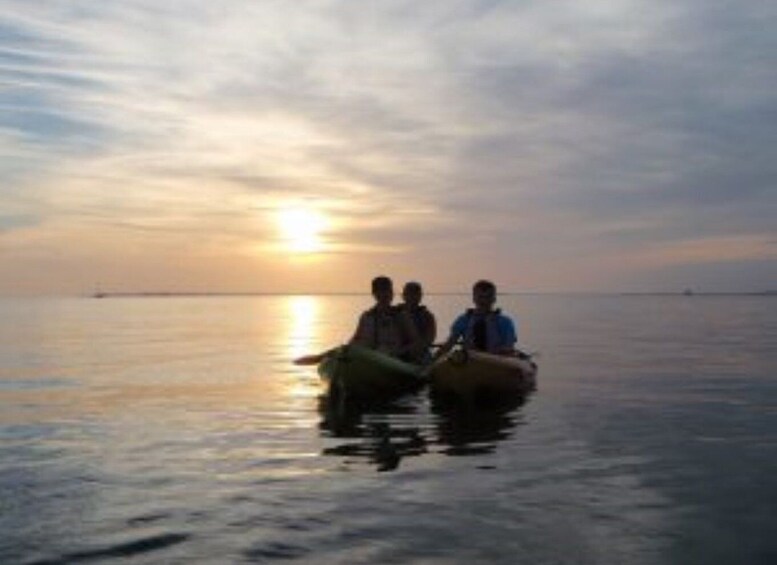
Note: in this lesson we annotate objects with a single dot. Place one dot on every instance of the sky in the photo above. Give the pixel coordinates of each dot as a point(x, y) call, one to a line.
point(306, 146)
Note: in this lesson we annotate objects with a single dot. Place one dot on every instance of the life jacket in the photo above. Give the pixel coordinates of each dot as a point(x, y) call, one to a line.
point(482, 331)
point(384, 329)
point(421, 317)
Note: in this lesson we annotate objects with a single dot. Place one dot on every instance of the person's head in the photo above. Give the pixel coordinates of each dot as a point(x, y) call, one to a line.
point(484, 294)
point(412, 293)
point(383, 290)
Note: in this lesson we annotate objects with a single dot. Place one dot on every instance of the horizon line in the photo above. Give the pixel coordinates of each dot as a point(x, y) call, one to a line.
point(162, 294)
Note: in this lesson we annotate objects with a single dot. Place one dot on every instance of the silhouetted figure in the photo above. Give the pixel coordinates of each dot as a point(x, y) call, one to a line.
point(483, 328)
point(423, 320)
point(385, 327)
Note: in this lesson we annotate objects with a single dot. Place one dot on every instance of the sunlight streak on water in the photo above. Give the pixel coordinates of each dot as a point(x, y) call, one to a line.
point(303, 323)
point(302, 339)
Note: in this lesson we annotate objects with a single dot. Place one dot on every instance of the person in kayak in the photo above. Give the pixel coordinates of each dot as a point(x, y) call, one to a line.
point(482, 328)
point(423, 320)
point(385, 327)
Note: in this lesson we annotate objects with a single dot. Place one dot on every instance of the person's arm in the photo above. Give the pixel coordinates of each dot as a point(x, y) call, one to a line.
point(431, 330)
point(359, 337)
point(457, 330)
point(415, 343)
point(508, 336)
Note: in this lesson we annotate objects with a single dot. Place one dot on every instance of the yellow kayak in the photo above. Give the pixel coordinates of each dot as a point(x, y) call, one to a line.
point(477, 375)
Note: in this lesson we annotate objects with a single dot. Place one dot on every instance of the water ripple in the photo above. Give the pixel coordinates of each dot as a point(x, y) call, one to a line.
point(122, 550)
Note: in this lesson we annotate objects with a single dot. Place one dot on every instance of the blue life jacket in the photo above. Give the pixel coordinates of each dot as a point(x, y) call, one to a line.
point(482, 332)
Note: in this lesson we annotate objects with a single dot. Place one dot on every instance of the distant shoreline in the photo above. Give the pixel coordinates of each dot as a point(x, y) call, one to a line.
point(691, 295)
point(162, 294)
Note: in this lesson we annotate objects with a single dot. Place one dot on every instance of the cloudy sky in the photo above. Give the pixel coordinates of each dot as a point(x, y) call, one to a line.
point(192, 145)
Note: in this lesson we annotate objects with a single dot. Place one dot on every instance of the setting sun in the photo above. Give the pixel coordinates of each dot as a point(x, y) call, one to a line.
point(300, 229)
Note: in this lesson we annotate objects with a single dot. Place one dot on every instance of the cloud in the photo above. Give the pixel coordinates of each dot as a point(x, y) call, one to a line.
point(536, 131)
point(15, 221)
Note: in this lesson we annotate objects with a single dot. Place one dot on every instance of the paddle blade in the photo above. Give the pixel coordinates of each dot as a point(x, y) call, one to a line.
point(310, 359)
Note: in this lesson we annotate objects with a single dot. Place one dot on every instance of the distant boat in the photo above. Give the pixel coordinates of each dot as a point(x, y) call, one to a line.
point(688, 292)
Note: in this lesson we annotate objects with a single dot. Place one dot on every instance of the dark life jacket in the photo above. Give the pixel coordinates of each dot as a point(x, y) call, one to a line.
point(385, 329)
point(482, 331)
point(421, 318)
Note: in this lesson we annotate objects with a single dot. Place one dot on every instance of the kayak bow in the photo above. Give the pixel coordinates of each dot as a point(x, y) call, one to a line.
point(359, 372)
point(477, 375)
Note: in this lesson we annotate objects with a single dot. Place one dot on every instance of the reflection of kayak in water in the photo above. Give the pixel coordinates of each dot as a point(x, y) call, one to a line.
point(475, 375)
point(474, 428)
point(355, 372)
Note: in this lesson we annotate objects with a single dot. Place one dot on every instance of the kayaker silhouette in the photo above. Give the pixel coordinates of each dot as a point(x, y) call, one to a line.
point(423, 320)
point(482, 328)
point(387, 328)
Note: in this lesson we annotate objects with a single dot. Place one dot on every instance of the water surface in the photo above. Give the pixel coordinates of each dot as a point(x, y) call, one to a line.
point(175, 430)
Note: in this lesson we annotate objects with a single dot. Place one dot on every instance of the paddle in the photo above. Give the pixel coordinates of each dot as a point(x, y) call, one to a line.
point(312, 359)
point(524, 355)
point(315, 359)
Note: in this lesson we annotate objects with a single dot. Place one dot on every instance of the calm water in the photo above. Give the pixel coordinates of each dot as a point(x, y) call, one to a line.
point(175, 430)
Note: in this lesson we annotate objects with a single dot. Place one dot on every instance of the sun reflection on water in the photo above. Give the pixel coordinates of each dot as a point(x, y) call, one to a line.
point(303, 315)
point(303, 339)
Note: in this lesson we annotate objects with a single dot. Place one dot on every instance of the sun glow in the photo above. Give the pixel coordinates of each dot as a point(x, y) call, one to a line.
point(301, 229)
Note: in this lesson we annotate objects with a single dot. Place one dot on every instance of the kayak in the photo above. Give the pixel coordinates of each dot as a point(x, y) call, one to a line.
point(358, 372)
point(477, 375)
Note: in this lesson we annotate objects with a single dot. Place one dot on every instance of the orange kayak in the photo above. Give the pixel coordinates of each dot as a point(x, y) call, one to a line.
point(475, 374)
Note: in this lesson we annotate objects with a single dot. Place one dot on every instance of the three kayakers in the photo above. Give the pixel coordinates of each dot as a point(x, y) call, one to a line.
point(388, 328)
point(482, 328)
point(423, 320)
